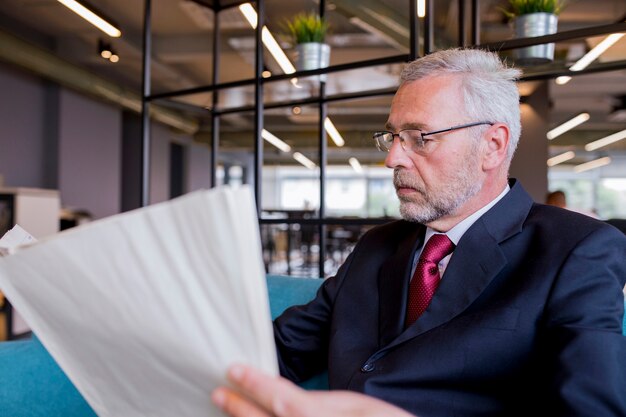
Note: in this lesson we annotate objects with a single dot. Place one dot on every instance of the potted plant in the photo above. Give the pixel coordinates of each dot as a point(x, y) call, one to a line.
point(534, 18)
point(308, 31)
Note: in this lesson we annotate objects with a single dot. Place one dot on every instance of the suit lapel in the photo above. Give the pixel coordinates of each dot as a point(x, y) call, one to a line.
point(393, 283)
point(477, 259)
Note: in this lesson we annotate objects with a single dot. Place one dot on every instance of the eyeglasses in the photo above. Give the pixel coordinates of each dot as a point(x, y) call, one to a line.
point(414, 139)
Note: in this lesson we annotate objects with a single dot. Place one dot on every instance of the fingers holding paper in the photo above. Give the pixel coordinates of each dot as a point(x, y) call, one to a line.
point(253, 393)
point(259, 395)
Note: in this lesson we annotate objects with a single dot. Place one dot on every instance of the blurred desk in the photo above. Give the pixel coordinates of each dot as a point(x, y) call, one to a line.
point(299, 236)
point(340, 240)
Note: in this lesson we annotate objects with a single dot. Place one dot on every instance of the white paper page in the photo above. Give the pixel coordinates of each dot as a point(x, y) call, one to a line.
point(145, 310)
point(13, 239)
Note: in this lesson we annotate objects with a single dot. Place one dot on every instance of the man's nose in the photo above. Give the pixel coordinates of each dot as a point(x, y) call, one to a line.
point(396, 156)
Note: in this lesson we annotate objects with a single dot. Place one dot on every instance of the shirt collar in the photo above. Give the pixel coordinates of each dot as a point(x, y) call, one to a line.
point(456, 233)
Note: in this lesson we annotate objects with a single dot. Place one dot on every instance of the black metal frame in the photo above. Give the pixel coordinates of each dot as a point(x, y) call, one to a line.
point(322, 99)
point(5, 308)
point(145, 104)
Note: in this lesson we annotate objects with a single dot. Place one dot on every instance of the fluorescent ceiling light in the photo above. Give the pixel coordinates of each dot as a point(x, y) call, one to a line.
point(598, 50)
point(356, 165)
point(596, 163)
point(421, 8)
point(304, 160)
point(275, 141)
point(92, 18)
point(570, 124)
point(565, 156)
point(334, 133)
point(268, 39)
point(563, 79)
point(276, 51)
point(249, 13)
point(591, 56)
point(596, 144)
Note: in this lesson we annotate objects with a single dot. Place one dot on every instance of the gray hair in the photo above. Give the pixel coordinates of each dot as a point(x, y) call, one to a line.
point(489, 88)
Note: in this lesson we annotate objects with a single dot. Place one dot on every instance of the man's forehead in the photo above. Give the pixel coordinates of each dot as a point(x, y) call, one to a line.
point(407, 112)
point(403, 125)
point(429, 87)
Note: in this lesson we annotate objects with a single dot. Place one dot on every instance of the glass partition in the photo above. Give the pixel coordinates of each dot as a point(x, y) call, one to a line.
point(291, 162)
point(370, 42)
point(236, 150)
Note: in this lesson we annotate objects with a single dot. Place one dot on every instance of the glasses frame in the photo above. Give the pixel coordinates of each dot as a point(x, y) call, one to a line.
point(380, 142)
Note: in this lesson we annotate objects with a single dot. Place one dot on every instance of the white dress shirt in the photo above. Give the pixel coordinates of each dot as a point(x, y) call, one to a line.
point(456, 233)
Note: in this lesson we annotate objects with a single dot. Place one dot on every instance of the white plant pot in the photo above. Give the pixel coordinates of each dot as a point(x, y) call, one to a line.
point(531, 25)
point(311, 56)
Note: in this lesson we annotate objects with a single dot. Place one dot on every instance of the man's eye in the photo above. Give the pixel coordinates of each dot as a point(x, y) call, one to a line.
point(416, 136)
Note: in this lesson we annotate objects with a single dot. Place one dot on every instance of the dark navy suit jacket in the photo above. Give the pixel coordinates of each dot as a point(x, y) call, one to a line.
point(527, 319)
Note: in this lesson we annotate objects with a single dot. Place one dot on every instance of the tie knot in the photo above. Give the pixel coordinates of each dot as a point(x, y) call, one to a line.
point(438, 247)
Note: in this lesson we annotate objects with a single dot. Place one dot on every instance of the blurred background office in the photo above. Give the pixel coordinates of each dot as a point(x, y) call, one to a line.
point(71, 100)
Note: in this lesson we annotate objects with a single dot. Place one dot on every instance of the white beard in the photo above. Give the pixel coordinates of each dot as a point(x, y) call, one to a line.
point(425, 206)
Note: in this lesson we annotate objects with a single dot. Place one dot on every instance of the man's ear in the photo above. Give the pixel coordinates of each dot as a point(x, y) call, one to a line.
point(497, 143)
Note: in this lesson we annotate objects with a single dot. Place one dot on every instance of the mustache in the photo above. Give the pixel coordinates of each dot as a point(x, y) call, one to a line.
point(404, 179)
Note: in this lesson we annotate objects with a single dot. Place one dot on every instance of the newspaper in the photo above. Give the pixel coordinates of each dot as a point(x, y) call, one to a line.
point(144, 311)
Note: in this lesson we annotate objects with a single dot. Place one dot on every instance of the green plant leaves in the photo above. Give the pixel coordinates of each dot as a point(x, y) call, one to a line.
point(520, 7)
point(307, 27)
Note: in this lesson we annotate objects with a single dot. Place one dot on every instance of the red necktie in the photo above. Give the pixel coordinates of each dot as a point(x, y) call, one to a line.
point(426, 276)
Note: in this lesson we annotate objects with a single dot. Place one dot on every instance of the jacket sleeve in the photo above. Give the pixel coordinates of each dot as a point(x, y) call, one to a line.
point(302, 332)
point(584, 344)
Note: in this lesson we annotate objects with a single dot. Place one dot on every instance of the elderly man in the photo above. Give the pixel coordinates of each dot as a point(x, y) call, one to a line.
point(480, 302)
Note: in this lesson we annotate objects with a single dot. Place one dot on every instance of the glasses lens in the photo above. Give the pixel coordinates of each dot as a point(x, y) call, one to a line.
point(384, 140)
point(412, 140)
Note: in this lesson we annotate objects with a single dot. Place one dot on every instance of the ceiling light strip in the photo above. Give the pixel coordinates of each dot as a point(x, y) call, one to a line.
point(563, 79)
point(597, 144)
point(570, 124)
point(249, 13)
point(333, 132)
point(356, 165)
point(268, 39)
point(421, 8)
point(565, 156)
point(275, 141)
point(598, 50)
point(92, 18)
point(590, 56)
point(304, 160)
point(276, 51)
point(596, 163)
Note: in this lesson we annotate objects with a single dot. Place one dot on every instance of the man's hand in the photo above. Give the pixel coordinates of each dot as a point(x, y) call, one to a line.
point(258, 395)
